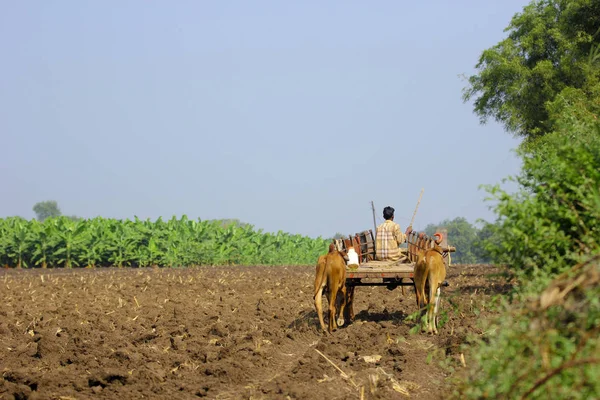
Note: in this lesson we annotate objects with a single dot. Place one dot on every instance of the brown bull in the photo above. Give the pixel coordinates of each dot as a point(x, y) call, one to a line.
point(430, 272)
point(331, 274)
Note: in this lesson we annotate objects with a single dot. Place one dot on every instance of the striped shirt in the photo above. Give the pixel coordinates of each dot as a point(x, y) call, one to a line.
point(389, 237)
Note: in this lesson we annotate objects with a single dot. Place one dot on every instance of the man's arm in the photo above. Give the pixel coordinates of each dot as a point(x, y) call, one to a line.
point(400, 237)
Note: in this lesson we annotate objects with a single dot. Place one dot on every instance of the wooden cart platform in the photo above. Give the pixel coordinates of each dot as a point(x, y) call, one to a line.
point(376, 269)
point(379, 274)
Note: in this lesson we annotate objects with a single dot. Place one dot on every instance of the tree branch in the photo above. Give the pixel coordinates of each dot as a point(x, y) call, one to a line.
point(562, 367)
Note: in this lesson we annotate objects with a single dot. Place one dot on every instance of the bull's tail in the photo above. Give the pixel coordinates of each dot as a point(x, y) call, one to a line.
point(321, 276)
point(319, 285)
point(420, 278)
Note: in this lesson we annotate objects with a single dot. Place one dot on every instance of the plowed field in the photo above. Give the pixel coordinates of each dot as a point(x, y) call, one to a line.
point(223, 333)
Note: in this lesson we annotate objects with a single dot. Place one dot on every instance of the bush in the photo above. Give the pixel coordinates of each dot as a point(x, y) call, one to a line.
point(544, 343)
point(545, 348)
point(555, 218)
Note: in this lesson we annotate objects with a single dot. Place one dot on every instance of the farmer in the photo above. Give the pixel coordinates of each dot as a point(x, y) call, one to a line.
point(389, 237)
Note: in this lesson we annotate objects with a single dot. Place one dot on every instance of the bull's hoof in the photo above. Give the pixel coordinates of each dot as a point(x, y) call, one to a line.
point(340, 321)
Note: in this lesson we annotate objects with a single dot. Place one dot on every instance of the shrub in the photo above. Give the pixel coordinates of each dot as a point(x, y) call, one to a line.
point(545, 348)
point(555, 217)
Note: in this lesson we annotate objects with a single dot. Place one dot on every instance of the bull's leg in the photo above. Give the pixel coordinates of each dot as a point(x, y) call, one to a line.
point(351, 309)
point(350, 303)
point(436, 308)
point(431, 307)
point(320, 284)
point(332, 293)
point(319, 307)
point(418, 284)
point(419, 281)
point(340, 321)
point(417, 294)
point(424, 307)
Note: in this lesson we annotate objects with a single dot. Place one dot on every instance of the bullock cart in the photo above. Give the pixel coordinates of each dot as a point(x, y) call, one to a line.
point(371, 272)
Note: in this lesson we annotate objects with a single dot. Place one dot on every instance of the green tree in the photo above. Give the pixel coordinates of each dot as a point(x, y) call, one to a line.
point(548, 62)
point(46, 209)
point(230, 221)
point(542, 83)
point(484, 235)
point(555, 217)
point(462, 235)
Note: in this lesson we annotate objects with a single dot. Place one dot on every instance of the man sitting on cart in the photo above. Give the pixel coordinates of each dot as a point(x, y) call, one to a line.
point(389, 237)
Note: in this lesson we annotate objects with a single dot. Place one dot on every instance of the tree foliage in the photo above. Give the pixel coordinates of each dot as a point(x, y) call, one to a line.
point(549, 61)
point(555, 217)
point(462, 235)
point(46, 209)
point(543, 346)
point(542, 83)
point(485, 235)
point(548, 233)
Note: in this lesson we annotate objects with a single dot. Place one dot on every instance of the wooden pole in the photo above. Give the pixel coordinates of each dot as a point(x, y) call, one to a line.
point(416, 208)
point(374, 223)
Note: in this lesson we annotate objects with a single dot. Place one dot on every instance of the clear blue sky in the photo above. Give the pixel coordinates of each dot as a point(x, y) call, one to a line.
point(288, 115)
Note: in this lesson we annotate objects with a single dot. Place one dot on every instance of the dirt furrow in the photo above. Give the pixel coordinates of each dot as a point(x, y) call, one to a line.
point(222, 332)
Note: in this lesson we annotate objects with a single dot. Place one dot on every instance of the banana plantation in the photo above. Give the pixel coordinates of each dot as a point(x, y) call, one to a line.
point(101, 242)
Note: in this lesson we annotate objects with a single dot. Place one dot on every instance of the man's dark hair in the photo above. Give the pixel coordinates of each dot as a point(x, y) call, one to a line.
point(388, 212)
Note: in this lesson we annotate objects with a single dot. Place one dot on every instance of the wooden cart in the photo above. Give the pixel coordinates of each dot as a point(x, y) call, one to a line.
point(382, 273)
